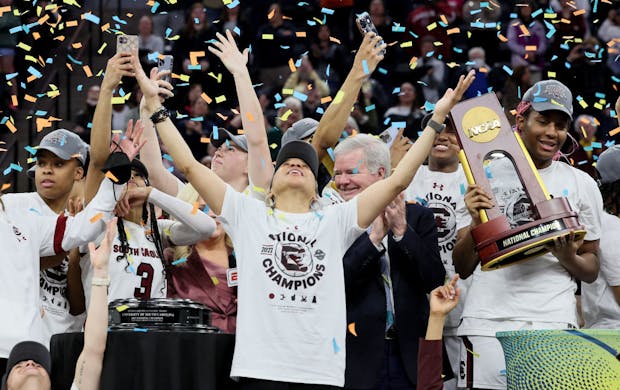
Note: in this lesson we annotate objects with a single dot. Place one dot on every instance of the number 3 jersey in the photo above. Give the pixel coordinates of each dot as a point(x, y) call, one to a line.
point(140, 274)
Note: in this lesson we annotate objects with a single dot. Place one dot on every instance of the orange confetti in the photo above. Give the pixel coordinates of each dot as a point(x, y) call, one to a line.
point(96, 217)
point(11, 126)
point(105, 27)
point(524, 30)
point(326, 99)
point(614, 131)
point(76, 45)
point(111, 176)
point(530, 47)
point(351, 328)
point(224, 117)
point(195, 208)
point(454, 30)
point(14, 100)
point(71, 23)
point(206, 98)
point(43, 19)
point(443, 19)
point(291, 65)
point(579, 12)
point(87, 70)
point(502, 38)
point(193, 56)
point(335, 40)
point(29, 98)
point(205, 140)
point(5, 186)
point(250, 116)
point(300, 34)
point(240, 131)
point(271, 13)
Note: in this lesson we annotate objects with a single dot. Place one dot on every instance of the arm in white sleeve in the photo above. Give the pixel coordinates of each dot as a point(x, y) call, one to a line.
point(190, 227)
point(85, 226)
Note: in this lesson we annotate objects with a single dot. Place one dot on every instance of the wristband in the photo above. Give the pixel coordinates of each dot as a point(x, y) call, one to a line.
point(436, 126)
point(100, 282)
point(160, 115)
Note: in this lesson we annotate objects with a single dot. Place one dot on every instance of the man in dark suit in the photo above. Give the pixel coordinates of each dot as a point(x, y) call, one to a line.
point(388, 272)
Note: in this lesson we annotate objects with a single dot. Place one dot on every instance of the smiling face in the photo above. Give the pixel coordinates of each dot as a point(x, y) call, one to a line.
point(543, 134)
point(294, 173)
point(28, 374)
point(54, 177)
point(351, 174)
point(445, 151)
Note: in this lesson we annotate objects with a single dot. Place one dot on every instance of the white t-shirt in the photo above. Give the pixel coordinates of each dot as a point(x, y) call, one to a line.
point(600, 309)
point(25, 236)
point(443, 192)
point(291, 315)
point(540, 289)
point(52, 281)
point(141, 274)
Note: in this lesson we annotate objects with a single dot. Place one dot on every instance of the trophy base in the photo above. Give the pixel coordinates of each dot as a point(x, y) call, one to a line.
point(512, 246)
point(159, 314)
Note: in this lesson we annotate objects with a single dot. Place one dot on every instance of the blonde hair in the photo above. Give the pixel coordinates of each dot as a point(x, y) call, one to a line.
point(189, 194)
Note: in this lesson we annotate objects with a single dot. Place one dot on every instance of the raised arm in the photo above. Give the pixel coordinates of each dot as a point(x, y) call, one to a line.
point(208, 184)
point(160, 177)
point(89, 364)
point(335, 118)
point(118, 66)
point(260, 169)
point(378, 195)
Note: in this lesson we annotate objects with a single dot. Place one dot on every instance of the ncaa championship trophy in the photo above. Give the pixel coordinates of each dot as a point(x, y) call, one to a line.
point(487, 140)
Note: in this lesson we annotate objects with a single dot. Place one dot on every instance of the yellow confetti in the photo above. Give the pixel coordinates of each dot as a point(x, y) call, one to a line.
point(122, 308)
point(431, 26)
point(268, 36)
point(102, 47)
point(96, 217)
point(286, 114)
point(23, 46)
point(273, 145)
point(215, 280)
point(221, 98)
point(406, 44)
point(473, 353)
point(339, 97)
point(258, 189)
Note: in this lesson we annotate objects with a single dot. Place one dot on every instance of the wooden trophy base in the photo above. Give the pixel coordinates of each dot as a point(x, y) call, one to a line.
point(500, 246)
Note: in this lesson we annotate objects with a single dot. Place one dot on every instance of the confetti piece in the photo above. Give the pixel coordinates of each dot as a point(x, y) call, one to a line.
point(206, 98)
point(111, 176)
point(179, 261)
point(195, 208)
point(141, 330)
point(339, 97)
point(267, 36)
point(473, 353)
point(122, 308)
point(351, 328)
point(365, 67)
point(300, 34)
point(326, 99)
point(335, 345)
point(96, 217)
point(258, 189)
point(91, 18)
point(614, 131)
point(215, 280)
point(221, 98)
point(5, 186)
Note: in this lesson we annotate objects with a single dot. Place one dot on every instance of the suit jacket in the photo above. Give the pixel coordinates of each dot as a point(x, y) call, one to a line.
point(416, 269)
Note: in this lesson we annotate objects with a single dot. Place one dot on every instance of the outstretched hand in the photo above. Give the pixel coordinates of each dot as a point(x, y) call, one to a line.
point(445, 298)
point(119, 65)
point(370, 52)
point(100, 257)
point(132, 142)
point(150, 87)
point(226, 50)
point(453, 96)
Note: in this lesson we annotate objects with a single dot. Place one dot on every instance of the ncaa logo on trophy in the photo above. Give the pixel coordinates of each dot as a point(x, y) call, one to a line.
point(525, 217)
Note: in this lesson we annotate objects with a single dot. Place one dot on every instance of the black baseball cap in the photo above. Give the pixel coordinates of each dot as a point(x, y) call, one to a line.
point(301, 150)
point(28, 350)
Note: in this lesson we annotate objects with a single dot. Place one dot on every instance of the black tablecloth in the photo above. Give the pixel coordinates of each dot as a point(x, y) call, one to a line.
point(150, 360)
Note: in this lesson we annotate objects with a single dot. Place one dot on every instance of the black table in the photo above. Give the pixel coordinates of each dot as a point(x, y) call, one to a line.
point(150, 360)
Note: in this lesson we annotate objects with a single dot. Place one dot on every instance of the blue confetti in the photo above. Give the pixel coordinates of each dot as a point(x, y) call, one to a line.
point(463, 189)
point(365, 67)
point(335, 345)
point(91, 18)
point(142, 330)
point(179, 261)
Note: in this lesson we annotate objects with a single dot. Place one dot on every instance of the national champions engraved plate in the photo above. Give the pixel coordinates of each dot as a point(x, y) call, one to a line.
point(490, 153)
point(162, 314)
